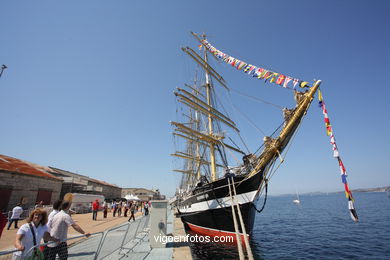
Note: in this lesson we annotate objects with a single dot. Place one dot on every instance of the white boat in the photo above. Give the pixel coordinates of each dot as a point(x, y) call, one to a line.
point(82, 203)
point(297, 201)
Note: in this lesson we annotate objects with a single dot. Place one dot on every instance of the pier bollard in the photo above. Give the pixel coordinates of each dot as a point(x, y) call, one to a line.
point(158, 223)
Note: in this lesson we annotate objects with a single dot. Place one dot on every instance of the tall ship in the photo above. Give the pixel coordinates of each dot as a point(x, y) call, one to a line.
point(215, 198)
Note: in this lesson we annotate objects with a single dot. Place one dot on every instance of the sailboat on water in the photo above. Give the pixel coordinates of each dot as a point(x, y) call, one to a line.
point(211, 191)
point(297, 200)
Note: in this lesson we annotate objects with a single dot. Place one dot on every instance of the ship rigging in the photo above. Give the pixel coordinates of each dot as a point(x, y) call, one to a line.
point(205, 200)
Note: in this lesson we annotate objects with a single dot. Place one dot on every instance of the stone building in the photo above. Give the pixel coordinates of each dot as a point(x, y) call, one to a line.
point(143, 194)
point(77, 183)
point(26, 183)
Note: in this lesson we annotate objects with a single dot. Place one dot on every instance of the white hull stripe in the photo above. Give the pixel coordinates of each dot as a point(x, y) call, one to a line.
point(221, 203)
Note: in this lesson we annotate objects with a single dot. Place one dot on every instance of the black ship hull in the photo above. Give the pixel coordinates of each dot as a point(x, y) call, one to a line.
point(208, 211)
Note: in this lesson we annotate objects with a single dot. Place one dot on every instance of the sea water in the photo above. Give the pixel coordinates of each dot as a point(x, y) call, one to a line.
point(318, 228)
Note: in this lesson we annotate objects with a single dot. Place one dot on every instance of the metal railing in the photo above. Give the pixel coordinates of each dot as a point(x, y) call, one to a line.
point(7, 255)
point(121, 239)
point(132, 239)
point(117, 239)
point(79, 247)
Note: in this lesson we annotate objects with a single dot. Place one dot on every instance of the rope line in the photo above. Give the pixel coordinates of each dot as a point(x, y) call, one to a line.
point(265, 198)
point(257, 99)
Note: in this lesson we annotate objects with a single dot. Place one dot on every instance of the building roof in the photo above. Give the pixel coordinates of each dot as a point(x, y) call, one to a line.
point(68, 173)
point(137, 189)
point(14, 165)
point(104, 183)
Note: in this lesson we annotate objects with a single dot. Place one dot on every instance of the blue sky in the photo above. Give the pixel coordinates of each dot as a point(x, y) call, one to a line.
point(89, 84)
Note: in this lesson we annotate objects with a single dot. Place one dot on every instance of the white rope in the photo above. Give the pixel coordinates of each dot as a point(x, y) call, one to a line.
point(247, 245)
point(238, 237)
point(250, 121)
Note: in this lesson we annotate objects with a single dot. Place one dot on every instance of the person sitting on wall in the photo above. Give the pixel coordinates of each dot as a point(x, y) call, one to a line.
point(228, 173)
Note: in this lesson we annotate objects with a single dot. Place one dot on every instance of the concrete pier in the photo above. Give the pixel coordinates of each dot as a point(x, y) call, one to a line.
point(173, 250)
point(181, 251)
point(136, 248)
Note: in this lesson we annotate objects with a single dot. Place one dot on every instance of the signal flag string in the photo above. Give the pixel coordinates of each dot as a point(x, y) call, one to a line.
point(336, 154)
point(255, 71)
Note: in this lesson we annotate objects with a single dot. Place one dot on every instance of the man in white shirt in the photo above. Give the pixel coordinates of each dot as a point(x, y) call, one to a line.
point(16, 212)
point(59, 229)
point(56, 209)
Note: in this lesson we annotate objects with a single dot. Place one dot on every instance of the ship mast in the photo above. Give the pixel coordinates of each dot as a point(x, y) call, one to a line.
point(197, 145)
point(200, 133)
point(210, 119)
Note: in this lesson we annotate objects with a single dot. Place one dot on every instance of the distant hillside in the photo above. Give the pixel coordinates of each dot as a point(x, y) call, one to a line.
point(378, 189)
point(381, 189)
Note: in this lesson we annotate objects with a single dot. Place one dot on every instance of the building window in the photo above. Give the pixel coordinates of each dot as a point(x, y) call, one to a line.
point(5, 195)
point(45, 196)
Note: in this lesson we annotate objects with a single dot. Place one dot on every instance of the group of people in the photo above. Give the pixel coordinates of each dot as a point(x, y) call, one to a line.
point(51, 228)
point(54, 227)
point(117, 207)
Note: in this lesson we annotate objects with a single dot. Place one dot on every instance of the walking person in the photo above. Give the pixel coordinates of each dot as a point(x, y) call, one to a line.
point(114, 206)
point(16, 212)
point(105, 207)
point(132, 211)
point(59, 230)
point(119, 208)
point(31, 233)
point(146, 208)
point(95, 208)
point(126, 208)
